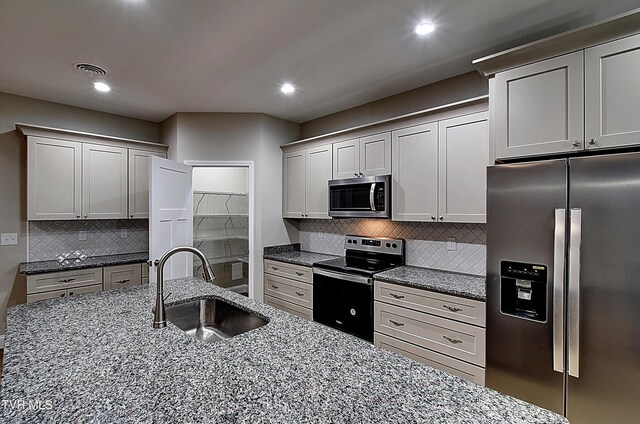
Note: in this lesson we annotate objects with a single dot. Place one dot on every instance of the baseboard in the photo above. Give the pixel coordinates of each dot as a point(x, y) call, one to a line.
point(2, 342)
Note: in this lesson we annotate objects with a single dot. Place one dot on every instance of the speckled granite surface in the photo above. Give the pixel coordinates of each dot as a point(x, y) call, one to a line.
point(299, 257)
point(463, 285)
point(93, 262)
point(282, 248)
point(96, 359)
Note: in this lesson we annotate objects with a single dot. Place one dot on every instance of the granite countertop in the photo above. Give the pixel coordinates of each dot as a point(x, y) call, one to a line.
point(463, 285)
point(297, 257)
point(42, 267)
point(95, 358)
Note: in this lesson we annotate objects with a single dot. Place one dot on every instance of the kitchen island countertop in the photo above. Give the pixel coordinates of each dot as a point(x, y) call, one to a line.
point(95, 358)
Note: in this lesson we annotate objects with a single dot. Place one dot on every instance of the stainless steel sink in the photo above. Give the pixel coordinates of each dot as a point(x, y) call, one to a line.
point(211, 319)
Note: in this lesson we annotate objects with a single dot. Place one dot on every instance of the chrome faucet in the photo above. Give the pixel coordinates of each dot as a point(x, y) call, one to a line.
point(159, 319)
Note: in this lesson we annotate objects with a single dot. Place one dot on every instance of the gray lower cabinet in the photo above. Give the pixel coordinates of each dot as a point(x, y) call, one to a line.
point(62, 284)
point(442, 331)
point(121, 276)
point(289, 287)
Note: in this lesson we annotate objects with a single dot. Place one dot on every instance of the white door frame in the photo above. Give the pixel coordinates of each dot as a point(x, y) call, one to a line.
point(252, 227)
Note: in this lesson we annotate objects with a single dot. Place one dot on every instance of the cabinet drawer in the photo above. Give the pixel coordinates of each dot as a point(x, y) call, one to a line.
point(145, 280)
point(85, 289)
point(431, 358)
point(63, 280)
point(453, 307)
point(121, 276)
point(46, 296)
point(461, 341)
point(289, 290)
point(292, 308)
point(297, 272)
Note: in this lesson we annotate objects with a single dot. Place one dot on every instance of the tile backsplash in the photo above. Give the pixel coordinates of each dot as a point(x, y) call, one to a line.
point(426, 242)
point(51, 239)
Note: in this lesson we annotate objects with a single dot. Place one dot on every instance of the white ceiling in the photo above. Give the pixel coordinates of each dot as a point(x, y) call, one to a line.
point(231, 55)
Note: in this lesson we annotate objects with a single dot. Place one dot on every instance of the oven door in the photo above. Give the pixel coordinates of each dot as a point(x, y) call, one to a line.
point(344, 301)
point(360, 197)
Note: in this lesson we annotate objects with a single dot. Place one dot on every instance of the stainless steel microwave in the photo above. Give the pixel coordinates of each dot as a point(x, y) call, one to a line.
point(366, 197)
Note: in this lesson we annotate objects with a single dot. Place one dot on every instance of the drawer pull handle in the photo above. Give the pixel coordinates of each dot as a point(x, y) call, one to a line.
point(299, 273)
point(274, 286)
point(396, 323)
point(275, 268)
point(452, 340)
point(299, 294)
point(62, 295)
point(66, 280)
point(70, 293)
point(122, 281)
point(452, 308)
point(397, 296)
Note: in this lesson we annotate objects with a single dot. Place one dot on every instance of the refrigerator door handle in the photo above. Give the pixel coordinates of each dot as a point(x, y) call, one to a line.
point(558, 290)
point(573, 307)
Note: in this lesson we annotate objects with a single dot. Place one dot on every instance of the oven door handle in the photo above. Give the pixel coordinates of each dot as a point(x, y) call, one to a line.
point(343, 276)
point(372, 193)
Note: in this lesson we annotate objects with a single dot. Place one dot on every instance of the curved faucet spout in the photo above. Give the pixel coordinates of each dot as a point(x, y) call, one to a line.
point(159, 319)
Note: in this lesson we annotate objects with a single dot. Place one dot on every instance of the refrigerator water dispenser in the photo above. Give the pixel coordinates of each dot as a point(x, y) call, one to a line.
point(523, 290)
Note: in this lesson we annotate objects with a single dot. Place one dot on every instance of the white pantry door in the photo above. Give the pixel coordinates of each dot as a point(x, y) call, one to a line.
point(170, 216)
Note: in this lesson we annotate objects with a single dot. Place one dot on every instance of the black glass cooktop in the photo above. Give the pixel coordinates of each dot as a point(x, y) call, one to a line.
point(365, 266)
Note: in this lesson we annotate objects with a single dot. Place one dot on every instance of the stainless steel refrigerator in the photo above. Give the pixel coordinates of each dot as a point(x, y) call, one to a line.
point(563, 285)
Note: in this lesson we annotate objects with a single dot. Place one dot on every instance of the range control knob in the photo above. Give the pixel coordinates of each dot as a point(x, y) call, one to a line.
point(394, 245)
point(349, 241)
point(388, 245)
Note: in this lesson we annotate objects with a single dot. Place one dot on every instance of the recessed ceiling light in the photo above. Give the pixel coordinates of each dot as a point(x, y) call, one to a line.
point(102, 87)
point(287, 88)
point(424, 28)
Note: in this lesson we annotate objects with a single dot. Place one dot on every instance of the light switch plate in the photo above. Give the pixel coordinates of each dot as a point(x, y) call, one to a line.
point(9, 239)
point(123, 233)
point(82, 235)
point(452, 244)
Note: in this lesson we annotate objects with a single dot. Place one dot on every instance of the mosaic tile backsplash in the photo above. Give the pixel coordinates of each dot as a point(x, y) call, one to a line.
point(426, 242)
point(52, 239)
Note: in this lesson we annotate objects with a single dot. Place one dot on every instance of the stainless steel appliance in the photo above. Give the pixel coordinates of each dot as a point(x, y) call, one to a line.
point(366, 197)
point(563, 285)
point(343, 287)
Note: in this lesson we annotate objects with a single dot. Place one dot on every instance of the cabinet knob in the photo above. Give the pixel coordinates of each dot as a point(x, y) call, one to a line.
point(78, 216)
point(131, 215)
point(592, 142)
point(433, 218)
point(577, 143)
point(441, 218)
point(85, 217)
point(356, 174)
point(361, 174)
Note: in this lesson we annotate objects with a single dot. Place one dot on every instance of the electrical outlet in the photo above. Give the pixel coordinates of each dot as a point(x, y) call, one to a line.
point(452, 244)
point(320, 236)
point(123, 233)
point(82, 235)
point(9, 239)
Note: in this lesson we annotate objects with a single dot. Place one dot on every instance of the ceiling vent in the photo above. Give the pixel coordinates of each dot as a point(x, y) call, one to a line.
point(90, 69)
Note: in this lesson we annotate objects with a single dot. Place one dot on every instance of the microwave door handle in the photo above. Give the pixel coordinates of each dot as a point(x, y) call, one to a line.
point(372, 200)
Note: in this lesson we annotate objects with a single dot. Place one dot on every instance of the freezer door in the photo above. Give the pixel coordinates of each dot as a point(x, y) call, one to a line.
point(603, 330)
point(521, 227)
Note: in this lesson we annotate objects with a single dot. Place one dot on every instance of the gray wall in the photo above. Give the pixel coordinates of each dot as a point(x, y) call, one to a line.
point(241, 137)
point(13, 174)
point(451, 90)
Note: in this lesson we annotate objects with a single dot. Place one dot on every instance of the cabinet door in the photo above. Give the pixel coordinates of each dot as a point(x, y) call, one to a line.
point(293, 192)
point(56, 294)
point(463, 148)
point(121, 276)
point(375, 155)
point(414, 193)
point(86, 289)
point(612, 94)
point(318, 174)
point(346, 158)
point(104, 182)
point(54, 178)
point(539, 108)
point(139, 182)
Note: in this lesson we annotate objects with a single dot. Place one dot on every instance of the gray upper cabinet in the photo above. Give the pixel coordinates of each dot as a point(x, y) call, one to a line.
point(414, 186)
point(463, 150)
point(538, 108)
point(612, 94)
point(294, 185)
point(139, 182)
point(54, 179)
point(318, 174)
point(362, 157)
point(104, 182)
point(306, 175)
